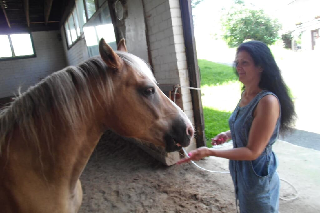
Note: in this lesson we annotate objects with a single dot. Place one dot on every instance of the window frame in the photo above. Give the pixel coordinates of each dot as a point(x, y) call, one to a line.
point(34, 55)
point(66, 32)
point(75, 10)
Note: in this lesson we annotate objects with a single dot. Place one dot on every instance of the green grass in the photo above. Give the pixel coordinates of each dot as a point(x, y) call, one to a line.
point(220, 94)
point(215, 122)
point(213, 74)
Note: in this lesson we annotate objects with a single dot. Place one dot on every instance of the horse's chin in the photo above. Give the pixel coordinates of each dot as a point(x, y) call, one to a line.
point(173, 145)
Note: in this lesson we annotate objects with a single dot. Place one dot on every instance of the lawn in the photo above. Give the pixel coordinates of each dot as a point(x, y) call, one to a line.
point(220, 93)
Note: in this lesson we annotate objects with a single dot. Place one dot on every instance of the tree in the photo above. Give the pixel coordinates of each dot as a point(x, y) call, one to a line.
point(242, 24)
point(194, 3)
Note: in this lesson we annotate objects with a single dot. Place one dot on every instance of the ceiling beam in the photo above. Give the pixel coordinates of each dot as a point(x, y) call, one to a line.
point(26, 10)
point(3, 6)
point(47, 10)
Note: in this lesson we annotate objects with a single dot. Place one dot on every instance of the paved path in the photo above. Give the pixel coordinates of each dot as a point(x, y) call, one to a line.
point(303, 138)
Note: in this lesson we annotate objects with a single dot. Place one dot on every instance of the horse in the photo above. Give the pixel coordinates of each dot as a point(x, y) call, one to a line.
point(48, 133)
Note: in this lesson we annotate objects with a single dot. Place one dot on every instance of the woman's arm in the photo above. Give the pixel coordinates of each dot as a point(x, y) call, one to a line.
point(263, 125)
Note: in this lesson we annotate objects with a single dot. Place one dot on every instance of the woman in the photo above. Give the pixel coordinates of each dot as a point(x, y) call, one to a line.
point(265, 109)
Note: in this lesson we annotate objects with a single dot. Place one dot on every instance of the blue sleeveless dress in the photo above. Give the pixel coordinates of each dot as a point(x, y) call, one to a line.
point(256, 182)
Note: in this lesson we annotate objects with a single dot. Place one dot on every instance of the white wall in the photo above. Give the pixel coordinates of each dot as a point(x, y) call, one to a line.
point(27, 72)
point(136, 30)
point(167, 47)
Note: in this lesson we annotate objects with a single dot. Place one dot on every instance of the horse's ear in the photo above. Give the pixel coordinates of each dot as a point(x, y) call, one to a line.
point(122, 45)
point(109, 56)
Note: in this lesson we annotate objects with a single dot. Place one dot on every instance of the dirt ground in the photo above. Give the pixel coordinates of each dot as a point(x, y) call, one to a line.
point(120, 177)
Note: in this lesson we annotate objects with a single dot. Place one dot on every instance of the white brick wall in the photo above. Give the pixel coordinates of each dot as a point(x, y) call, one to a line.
point(165, 34)
point(166, 40)
point(24, 73)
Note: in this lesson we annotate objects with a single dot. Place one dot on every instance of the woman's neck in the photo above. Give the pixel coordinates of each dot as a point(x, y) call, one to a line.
point(252, 90)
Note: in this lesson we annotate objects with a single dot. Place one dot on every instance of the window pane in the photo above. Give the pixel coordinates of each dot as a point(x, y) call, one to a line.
point(81, 13)
point(75, 18)
point(21, 44)
point(66, 26)
point(72, 29)
point(91, 7)
point(106, 31)
point(5, 50)
point(90, 35)
point(100, 2)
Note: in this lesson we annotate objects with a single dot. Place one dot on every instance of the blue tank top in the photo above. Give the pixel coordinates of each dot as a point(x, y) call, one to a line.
point(256, 182)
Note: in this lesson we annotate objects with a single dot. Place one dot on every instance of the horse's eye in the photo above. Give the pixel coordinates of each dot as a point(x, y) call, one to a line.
point(149, 91)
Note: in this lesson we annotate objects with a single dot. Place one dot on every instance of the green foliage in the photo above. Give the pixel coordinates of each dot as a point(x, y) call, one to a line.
point(238, 2)
point(287, 40)
point(241, 24)
point(213, 74)
point(194, 3)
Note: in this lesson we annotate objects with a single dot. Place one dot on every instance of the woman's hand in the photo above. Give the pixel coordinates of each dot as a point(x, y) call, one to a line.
point(196, 155)
point(220, 139)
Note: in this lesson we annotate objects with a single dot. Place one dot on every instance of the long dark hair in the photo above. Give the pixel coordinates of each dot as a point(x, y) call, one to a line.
point(271, 79)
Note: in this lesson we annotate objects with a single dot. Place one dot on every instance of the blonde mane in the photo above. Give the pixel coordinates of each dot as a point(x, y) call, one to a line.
point(62, 95)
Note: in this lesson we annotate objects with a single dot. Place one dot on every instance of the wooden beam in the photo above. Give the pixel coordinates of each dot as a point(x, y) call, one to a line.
point(47, 10)
point(5, 14)
point(193, 70)
point(26, 11)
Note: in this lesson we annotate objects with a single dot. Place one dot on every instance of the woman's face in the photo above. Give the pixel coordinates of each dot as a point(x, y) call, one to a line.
point(248, 72)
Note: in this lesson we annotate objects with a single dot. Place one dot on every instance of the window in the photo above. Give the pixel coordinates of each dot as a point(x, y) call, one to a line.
point(68, 35)
point(74, 23)
point(72, 29)
point(80, 14)
point(91, 7)
point(5, 46)
point(16, 46)
point(100, 2)
point(99, 27)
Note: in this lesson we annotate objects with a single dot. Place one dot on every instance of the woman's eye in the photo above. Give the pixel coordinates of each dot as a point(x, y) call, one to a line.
point(149, 91)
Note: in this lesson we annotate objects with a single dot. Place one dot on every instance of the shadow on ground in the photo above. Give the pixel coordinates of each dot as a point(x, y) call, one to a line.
point(303, 138)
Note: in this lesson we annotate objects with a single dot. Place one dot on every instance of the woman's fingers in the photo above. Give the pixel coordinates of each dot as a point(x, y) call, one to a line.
point(184, 160)
point(217, 141)
point(195, 155)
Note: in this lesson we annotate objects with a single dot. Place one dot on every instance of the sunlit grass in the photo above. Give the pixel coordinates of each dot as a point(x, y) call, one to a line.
point(220, 93)
point(216, 121)
point(213, 74)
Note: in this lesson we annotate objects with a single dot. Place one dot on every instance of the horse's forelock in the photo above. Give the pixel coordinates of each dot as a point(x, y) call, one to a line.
point(138, 64)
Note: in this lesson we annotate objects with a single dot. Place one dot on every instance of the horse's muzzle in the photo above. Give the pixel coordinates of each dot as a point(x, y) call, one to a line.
point(179, 136)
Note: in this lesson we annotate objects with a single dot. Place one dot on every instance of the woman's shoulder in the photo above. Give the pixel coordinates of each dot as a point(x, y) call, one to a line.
point(268, 102)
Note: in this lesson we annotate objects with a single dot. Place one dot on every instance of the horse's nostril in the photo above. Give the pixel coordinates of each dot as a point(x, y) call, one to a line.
point(190, 131)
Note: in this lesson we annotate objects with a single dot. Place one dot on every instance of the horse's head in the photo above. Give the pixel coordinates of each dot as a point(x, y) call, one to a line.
point(139, 108)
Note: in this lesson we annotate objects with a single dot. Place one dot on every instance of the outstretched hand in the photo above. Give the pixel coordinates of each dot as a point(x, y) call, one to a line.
point(195, 155)
point(219, 139)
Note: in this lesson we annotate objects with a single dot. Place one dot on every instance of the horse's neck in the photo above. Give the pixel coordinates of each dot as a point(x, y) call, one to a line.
point(46, 174)
point(60, 163)
point(76, 150)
